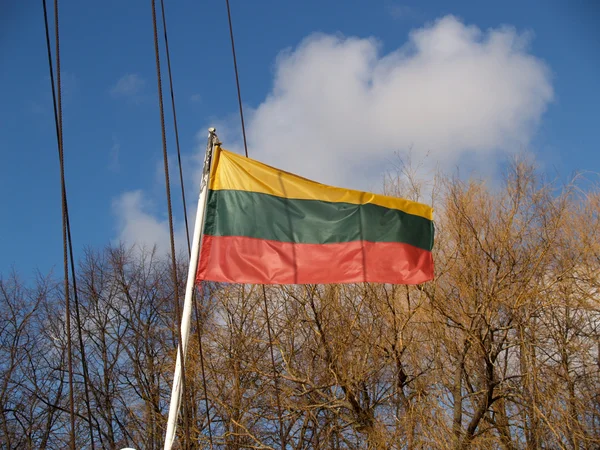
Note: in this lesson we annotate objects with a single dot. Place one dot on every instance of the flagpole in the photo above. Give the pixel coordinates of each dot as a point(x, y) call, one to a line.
point(191, 280)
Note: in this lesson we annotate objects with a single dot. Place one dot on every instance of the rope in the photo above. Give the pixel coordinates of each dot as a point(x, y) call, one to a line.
point(164, 21)
point(80, 335)
point(58, 121)
point(275, 376)
point(57, 107)
point(201, 352)
point(237, 78)
point(171, 233)
point(187, 233)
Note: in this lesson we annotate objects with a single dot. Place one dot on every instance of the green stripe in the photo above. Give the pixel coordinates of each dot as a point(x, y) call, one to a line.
point(264, 216)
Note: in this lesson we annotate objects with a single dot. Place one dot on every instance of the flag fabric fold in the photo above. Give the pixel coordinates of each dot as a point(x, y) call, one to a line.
point(267, 226)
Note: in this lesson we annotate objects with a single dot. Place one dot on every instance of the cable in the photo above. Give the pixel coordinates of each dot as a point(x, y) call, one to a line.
point(171, 233)
point(57, 107)
point(201, 352)
point(164, 21)
point(58, 122)
point(275, 376)
point(187, 233)
point(80, 335)
point(237, 78)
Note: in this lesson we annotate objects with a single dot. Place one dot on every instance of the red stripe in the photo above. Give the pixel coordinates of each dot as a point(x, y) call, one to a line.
point(237, 259)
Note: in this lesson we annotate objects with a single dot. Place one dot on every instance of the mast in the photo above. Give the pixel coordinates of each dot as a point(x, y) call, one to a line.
point(191, 281)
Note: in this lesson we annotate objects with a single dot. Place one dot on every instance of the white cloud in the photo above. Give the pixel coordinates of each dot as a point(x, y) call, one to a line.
point(138, 225)
point(339, 109)
point(129, 85)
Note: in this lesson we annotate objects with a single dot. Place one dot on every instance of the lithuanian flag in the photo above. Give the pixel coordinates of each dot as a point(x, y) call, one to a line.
point(267, 226)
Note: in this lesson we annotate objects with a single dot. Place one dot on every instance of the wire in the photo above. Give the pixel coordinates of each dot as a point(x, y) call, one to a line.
point(171, 233)
point(237, 78)
point(187, 233)
point(67, 240)
point(58, 122)
point(164, 21)
point(201, 352)
point(275, 376)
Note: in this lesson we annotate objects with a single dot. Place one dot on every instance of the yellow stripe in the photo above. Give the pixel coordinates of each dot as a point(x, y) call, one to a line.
point(231, 171)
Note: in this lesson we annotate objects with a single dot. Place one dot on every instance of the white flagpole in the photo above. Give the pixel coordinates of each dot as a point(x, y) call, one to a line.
point(191, 280)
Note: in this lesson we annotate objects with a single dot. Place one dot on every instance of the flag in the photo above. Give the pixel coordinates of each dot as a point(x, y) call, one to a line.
point(267, 226)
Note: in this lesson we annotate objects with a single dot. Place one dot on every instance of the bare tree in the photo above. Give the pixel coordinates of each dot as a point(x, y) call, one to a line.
point(501, 350)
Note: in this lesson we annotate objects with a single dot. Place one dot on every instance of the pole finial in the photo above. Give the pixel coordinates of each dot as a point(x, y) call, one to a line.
point(213, 139)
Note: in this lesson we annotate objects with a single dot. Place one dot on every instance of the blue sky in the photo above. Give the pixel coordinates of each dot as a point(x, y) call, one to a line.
point(332, 90)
